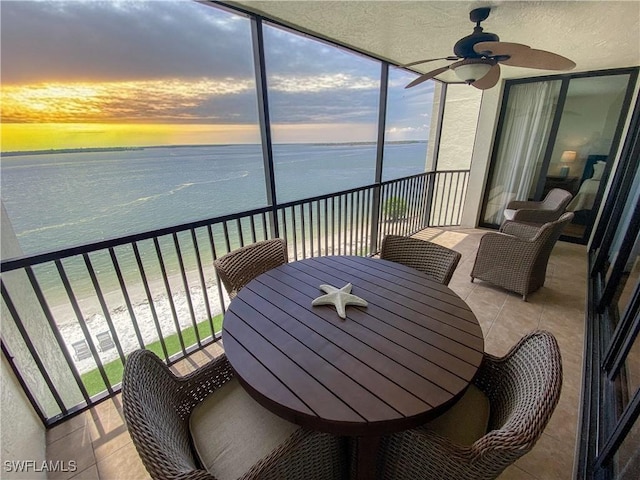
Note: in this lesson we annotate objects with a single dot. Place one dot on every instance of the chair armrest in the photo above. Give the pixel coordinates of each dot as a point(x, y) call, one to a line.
point(520, 230)
point(500, 252)
point(518, 204)
point(503, 240)
point(199, 384)
point(538, 216)
point(299, 456)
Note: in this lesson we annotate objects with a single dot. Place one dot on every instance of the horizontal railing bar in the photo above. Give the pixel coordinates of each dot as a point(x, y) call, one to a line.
point(20, 262)
point(29, 260)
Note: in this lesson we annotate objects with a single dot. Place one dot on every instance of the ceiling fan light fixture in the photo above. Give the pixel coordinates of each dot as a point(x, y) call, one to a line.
point(470, 72)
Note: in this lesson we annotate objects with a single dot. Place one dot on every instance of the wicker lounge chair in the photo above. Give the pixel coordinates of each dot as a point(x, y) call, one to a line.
point(516, 258)
point(239, 267)
point(538, 213)
point(520, 391)
point(233, 437)
point(435, 260)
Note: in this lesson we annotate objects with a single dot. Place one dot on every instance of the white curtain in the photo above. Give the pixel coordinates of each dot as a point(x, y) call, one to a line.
point(524, 138)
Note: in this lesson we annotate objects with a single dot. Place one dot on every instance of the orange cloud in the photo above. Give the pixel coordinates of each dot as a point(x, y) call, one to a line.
point(171, 100)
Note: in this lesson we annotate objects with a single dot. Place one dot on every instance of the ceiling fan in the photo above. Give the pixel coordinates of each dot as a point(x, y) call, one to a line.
point(478, 57)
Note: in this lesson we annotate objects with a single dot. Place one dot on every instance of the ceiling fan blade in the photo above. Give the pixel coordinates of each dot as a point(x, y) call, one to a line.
point(427, 76)
point(524, 56)
point(489, 80)
point(541, 59)
point(450, 58)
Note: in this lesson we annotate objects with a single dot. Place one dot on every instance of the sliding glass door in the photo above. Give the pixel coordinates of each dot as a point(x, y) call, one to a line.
point(610, 425)
point(558, 132)
point(526, 125)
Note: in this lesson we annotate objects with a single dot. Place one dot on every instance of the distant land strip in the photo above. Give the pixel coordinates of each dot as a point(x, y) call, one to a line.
point(69, 150)
point(124, 149)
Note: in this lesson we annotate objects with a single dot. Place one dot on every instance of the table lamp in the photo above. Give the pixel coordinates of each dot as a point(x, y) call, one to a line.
point(568, 156)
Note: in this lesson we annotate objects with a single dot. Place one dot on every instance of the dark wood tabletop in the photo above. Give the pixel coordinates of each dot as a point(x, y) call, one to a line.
point(389, 366)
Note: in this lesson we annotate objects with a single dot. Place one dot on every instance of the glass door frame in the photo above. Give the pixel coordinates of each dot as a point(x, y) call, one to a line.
point(565, 78)
point(604, 420)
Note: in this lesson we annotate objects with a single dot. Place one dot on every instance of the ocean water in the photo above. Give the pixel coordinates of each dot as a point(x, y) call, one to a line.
point(64, 199)
point(61, 200)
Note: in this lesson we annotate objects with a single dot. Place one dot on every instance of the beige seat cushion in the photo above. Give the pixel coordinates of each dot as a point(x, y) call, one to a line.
point(466, 421)
point(231, 431)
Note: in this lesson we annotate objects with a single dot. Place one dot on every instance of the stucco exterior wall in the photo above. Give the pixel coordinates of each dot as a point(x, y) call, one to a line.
point(480, 159)
point(22, 435)
point(459, 125)
point(37, 327)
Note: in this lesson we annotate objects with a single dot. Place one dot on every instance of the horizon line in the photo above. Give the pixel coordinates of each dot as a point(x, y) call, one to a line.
point(14, 153)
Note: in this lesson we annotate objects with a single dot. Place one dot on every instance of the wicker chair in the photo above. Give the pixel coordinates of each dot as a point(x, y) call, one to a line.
point(435, 260)
point(516, 258)
point(158, 407)
point(538, 213)
point(522, 389)
point(239, 267)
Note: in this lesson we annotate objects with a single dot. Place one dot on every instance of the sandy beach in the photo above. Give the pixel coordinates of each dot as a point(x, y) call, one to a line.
point(164, 305)
point(142, 313)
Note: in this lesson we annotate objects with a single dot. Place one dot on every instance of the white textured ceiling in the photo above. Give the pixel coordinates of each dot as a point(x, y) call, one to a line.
point(595, 34)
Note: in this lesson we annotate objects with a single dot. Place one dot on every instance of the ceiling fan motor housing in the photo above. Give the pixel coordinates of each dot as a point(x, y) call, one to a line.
point(464, 47)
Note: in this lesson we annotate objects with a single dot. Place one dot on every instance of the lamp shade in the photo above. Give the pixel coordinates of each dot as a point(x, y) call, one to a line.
point(471, 72)
point(568, 156)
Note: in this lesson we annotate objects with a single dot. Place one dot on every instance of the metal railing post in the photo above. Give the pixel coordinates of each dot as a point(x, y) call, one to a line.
point(382, 118)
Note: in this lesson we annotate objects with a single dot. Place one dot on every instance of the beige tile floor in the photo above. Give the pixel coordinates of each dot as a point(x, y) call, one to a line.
point(100, 444)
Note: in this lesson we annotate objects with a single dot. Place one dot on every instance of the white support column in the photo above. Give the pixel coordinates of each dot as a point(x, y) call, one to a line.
point(481, 159)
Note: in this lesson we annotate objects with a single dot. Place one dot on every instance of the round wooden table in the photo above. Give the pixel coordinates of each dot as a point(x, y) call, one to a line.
point(392, 365)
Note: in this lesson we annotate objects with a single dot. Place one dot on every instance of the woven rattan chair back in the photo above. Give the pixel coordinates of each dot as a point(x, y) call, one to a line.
point(523, 388)
point(435, 260)
point(156, 410)
point(157, 406)
point(239, 267)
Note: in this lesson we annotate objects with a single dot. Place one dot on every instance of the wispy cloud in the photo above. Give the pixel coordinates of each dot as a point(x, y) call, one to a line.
point(321, 83)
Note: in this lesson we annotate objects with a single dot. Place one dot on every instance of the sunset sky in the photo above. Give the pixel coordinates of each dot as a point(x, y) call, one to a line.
point(132, 73)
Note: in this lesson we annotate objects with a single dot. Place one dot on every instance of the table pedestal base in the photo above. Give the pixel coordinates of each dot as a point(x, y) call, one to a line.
point(366, 457)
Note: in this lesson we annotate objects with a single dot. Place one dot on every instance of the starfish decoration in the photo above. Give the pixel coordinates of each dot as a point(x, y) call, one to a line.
point(340, 297)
